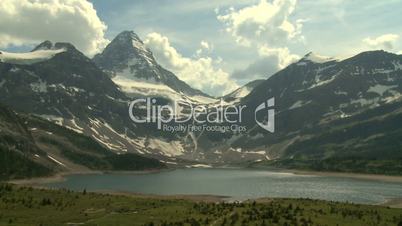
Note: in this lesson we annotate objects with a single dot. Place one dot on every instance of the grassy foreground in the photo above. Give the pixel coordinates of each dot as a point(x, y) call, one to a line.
point(28, 206)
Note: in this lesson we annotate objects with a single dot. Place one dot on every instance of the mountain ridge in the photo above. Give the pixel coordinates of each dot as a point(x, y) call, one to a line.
point(70, 89)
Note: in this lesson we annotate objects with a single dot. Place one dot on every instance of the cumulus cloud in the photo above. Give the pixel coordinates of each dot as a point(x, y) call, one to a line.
point(205, 48)
point(386, 42)
point(202, 72)
point(271, 61)
point(267, 28)
point(206, 45)
point(260, 69)
point(27, 22)
point(264, 22)
point(283, 55)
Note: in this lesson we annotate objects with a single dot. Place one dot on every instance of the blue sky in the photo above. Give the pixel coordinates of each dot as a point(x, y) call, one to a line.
point(332, 28)
point(242, 40)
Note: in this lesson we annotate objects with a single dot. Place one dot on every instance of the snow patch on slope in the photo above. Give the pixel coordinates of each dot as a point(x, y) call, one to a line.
point(397, 65)
point(299, 104)
point(201, 99)
point(241, 92)
point(74, 126)
point(170, 149)
point(56, 161)
point(150, 88)
point(39, 87)
point(319, 82)
point(380, 89)
point(145, 88)
point(55, 119)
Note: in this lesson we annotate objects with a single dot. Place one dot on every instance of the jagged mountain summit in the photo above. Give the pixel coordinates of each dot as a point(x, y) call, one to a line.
point(133, 67)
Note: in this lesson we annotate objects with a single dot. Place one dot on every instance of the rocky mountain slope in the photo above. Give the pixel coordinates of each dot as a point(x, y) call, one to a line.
point(31, 146)
point(326, 108)
point(17, 148)
point(368, 142)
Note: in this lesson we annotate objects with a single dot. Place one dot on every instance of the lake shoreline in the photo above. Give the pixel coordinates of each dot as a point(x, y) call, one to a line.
point(200, 198)
point(392, 202)
point(58, 177)
point(61, 176)
point(41, 182)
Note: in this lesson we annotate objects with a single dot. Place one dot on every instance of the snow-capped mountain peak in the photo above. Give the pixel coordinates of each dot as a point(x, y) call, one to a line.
point(126, 58)
point(135, 40)
point(126, 51)
point(132, 42)
point(316, 58)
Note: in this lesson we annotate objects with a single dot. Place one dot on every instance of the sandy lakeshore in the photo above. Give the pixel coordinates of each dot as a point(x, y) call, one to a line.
point(393, 203)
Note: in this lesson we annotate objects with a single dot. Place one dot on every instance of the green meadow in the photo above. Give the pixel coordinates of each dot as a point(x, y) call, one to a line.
point(30, 206)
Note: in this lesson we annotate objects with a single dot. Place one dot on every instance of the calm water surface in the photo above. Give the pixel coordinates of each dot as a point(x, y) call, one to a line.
point(239, 184)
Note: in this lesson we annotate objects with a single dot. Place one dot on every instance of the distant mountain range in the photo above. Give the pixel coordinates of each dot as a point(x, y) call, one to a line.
point(325, 108)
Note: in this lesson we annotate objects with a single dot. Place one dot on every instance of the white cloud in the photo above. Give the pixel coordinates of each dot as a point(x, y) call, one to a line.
point(202, 72)
point(262, 68)
point(27, 22)
point(206, 48)
point(270, 61)
point(264, 22)
point(206, 45)
point(386, 42)
point(266, 27)
point(284, 57)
